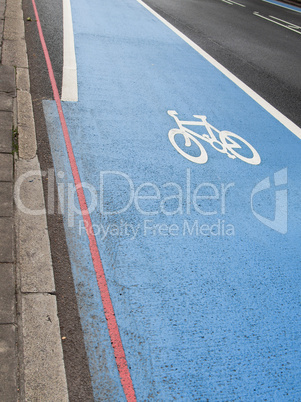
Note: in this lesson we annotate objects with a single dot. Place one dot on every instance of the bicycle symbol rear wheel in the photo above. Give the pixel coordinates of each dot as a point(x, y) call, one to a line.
point(226, 136)
point(201, 159)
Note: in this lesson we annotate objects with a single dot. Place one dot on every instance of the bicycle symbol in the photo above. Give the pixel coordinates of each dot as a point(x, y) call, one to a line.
point(226, 144)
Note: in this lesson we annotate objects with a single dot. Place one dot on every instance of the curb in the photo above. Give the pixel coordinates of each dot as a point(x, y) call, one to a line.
point(41, 365)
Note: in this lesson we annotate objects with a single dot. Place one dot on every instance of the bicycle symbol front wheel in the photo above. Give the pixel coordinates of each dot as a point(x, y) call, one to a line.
point(228, 139)
point(202, 158)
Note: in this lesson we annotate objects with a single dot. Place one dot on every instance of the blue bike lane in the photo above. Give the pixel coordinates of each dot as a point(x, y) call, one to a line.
point(202, 261)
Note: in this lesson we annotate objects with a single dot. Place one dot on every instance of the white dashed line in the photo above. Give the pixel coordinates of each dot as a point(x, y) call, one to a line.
point(231, 2)
point(290, 26)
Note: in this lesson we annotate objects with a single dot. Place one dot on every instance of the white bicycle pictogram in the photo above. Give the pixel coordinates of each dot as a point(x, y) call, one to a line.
point(226, 143)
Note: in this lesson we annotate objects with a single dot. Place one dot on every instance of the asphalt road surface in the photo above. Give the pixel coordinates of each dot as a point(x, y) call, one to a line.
point(264, 55)
point(194, 193)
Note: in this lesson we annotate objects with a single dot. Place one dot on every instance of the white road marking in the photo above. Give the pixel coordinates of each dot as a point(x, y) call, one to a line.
point(278, 23)
point(262, 102)
point(69, 85)
point(289, 23)
point(238, 4)
point(231, 2)
point(225, 143)
point(228, 2)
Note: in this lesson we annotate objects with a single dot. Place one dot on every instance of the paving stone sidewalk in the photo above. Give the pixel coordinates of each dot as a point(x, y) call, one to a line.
point(31, 356)
point(8, 321)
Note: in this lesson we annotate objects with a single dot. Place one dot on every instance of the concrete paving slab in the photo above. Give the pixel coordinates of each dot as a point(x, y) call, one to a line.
point(14, 4)
point(2, 8)
point(34, 257)
point(44, 370)
point(6, 240)
point(6, 102)
point(23, 82)
point(14, 29)
point(1, 27)
point(8, 364)
point(26, 126)
point(13, 11)
point(6, 167)
point(7, 294)
point(6, 119)
point(6, 199)
point(14, 53)
point(7, 80)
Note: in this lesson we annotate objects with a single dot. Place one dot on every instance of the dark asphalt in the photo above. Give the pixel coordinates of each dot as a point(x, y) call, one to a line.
point(262, 54)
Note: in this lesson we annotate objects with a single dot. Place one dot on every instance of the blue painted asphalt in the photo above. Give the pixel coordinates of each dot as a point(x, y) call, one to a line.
point(207, 301)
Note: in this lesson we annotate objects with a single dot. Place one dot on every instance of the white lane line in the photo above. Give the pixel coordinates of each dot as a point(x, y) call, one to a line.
point(287, 7)
point(278, 23)
point(289, 23)
point(69, 85)
point(262, 102)
point(238, 4)
point(231, 2)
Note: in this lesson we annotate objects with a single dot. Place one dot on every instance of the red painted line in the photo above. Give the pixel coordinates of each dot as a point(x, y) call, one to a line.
point(120, 358)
